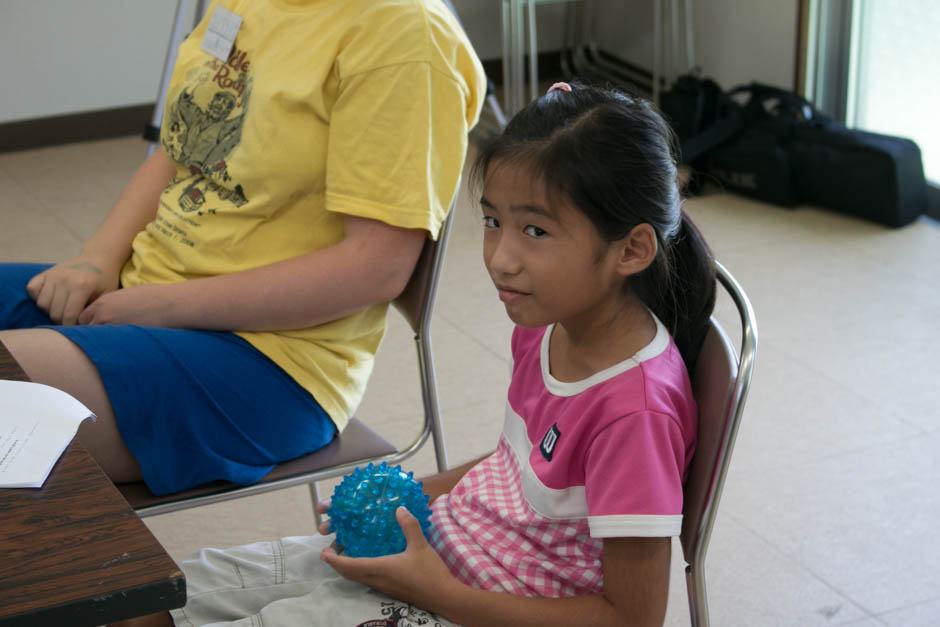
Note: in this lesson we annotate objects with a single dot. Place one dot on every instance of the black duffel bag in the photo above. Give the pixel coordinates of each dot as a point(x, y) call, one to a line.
point(775, 146)
point(877, 177)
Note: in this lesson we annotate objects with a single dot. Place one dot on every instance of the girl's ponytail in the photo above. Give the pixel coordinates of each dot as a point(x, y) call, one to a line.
point(679, 287)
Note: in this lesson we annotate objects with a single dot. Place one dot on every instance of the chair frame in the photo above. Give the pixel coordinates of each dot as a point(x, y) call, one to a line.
point(417, 306)
point(695, 539)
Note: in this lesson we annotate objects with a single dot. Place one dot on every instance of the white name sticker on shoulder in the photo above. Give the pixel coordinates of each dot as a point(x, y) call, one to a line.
point(220, 33)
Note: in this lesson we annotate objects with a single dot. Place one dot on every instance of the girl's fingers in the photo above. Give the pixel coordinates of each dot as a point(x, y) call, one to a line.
point(409, 526)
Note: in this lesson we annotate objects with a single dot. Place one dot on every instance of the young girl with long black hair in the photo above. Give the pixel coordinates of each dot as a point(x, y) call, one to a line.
point(569, 521)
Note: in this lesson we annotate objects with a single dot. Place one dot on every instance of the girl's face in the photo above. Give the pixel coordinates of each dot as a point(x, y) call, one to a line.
point(548, 262)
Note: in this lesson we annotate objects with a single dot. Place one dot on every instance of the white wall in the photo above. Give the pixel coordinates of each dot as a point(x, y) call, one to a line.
point(67, 56)
point(738, 41)
point(482, 21)
point(735, 41)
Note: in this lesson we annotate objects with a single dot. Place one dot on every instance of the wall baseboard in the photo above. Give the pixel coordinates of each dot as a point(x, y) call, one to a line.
point(74, 127)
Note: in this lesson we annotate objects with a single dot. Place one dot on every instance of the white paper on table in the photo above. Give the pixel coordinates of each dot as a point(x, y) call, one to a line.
point(37, 422)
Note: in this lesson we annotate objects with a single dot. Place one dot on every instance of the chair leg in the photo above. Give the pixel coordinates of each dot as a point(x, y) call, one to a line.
point(698, 602)
point(315, 498)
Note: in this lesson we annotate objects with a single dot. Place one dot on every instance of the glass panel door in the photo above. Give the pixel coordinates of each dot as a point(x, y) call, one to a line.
point(894, 77)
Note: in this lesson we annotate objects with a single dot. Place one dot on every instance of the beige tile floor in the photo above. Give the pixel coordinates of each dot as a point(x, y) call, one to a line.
point(830, 512)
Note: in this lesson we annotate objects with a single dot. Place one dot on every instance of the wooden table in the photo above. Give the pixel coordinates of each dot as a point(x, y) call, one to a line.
point(73, 552)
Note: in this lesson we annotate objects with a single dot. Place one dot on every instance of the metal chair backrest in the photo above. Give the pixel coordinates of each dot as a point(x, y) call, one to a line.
point(416, 305)
point(720, 383)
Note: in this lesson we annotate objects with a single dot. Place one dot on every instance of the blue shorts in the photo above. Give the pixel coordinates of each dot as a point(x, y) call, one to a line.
point(192, 406)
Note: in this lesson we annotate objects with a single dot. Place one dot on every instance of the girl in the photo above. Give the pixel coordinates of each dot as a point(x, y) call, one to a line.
point(569, 521)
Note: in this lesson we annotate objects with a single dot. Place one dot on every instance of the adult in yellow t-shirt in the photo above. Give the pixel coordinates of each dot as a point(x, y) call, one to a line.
point(225, 315)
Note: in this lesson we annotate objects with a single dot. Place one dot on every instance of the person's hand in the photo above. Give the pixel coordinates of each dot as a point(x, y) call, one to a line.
point(144, 305)
point(64, 290)
point(415, 576)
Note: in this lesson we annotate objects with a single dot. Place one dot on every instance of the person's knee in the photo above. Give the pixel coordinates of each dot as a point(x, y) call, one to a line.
point(48, 357)
point(51, 358)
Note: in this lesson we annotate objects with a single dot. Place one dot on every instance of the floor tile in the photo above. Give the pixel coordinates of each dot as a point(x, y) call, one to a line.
point(864, 522)
point(864, 325)
point(797, 414)
point(750, 583)
point(910, 250)
point(77, 183)
point(921, 615)
point(28, 233)
point(272, 515)
point(862, 622)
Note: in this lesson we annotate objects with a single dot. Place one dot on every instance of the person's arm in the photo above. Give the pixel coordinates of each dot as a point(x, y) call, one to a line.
point(370, 265)
point(636, 586)
point(65, 289)
point(443, 482)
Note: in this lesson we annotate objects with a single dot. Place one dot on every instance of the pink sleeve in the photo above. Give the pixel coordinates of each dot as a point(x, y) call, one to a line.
point(634, 467)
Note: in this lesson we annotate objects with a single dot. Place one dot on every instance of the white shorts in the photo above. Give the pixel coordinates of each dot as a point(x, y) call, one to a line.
point(284, 584)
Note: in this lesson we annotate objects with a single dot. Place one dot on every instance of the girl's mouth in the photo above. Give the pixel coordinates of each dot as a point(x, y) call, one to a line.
point(509, 295)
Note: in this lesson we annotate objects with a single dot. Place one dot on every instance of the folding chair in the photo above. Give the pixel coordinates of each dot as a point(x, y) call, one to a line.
point(357, 444)
point(720, 382)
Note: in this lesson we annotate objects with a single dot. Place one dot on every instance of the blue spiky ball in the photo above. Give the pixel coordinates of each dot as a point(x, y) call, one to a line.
point(362, 512)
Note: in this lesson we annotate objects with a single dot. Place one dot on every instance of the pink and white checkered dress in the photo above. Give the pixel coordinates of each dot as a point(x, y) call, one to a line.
point(576, 463)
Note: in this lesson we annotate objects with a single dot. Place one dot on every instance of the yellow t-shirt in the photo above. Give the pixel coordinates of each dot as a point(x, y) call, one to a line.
point(323, 108)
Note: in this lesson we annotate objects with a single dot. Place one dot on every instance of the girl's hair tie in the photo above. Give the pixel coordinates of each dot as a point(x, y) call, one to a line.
point(562, 86)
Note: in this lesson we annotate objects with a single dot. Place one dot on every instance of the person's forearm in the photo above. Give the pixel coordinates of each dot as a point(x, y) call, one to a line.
point(472, 607)
point(636, 590)
point(443, 482)
point(371, 265)
point(134, 209)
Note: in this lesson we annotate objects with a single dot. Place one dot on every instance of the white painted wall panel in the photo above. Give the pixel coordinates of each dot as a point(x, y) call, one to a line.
point(68, 56)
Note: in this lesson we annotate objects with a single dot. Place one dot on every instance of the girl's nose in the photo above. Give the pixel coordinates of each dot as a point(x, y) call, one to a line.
point(501, 258)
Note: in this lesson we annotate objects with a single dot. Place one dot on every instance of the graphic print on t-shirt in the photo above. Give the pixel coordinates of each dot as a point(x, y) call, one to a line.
point(397, 614)
point(203, 124)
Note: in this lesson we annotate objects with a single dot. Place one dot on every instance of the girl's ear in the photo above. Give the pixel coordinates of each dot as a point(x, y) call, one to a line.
point(637, 250)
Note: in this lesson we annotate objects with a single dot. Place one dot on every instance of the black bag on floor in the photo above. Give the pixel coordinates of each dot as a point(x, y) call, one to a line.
point(872, 176)
point(775, 147)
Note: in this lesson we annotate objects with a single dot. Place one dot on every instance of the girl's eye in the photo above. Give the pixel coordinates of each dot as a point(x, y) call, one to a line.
point(534, 231)
point(490, 222)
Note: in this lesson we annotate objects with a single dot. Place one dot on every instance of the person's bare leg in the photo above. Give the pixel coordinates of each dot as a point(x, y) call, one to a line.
point(163, 619)
point(51, 358)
